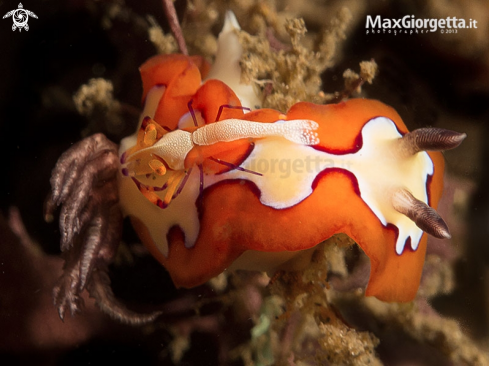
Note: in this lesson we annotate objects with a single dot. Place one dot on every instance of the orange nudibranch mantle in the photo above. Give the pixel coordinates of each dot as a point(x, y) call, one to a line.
point(340, 183)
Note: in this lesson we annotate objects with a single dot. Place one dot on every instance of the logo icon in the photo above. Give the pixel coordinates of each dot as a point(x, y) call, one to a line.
point(20, 17)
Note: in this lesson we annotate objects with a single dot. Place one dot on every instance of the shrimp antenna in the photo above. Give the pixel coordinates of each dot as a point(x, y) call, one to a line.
point(234, 166)
point(230, 107)
point(192, 112)
point(182, 183)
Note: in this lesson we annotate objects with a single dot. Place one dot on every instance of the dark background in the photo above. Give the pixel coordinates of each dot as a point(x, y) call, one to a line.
point(428, 82)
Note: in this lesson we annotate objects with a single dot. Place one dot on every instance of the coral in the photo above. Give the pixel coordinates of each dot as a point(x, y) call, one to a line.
point(312, 327)
point(419, 322)
point(95, 100)
point(319, 333)
point(292, 74)
point(164, 43)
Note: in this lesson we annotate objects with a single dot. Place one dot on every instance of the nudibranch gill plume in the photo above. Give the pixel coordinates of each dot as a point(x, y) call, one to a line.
point(211, 181)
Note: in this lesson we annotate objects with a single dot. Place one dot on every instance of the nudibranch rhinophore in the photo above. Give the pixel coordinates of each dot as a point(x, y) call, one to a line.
point(211, 181)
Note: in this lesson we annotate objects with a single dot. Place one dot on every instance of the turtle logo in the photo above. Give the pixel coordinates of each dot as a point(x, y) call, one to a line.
point(20, 17)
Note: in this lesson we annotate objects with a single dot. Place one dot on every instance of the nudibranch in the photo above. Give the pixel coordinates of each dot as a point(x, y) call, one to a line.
point(211, 181)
